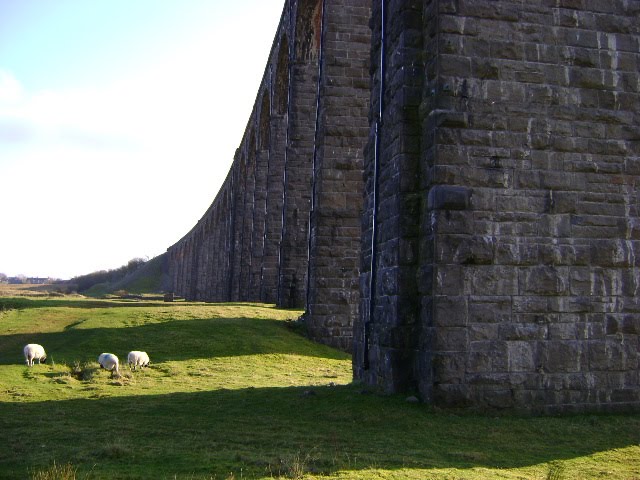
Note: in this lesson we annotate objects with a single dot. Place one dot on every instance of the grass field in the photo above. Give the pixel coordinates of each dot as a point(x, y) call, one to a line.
point(234, 393)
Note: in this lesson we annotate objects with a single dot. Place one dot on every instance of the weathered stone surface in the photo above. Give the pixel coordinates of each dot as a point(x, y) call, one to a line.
point(526, 267)
point(443, 197)
point(502, 267)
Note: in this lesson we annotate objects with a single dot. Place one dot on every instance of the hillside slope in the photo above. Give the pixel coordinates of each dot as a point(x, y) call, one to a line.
point(232, 393)
point(149, 278)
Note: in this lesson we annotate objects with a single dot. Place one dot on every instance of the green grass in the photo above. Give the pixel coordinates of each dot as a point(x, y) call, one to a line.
point(147, 279)
point(232, 392)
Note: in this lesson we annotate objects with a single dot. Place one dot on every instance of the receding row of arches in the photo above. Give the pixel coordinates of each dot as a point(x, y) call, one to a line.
point(285, 227)
point(239, 250)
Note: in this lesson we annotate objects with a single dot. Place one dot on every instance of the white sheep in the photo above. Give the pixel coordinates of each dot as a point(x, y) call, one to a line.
point(110, 362)
point(137, 358)
point(33, 351)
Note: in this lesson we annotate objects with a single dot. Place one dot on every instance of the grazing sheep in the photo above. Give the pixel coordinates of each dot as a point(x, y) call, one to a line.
point(33, 351)
point(137, 358)
point(110, 362)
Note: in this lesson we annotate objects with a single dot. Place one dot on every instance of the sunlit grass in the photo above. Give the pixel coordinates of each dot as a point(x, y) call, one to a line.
point(232, 392)
point(55, 472)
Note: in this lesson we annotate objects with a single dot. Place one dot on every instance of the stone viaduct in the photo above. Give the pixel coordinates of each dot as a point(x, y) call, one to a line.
point(449, 188)
point(285, 226)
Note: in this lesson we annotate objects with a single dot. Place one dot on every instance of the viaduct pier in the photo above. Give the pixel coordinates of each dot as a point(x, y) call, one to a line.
point(450, 189)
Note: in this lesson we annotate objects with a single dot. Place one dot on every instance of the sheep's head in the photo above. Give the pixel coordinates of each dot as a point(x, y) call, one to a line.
point(43, 359)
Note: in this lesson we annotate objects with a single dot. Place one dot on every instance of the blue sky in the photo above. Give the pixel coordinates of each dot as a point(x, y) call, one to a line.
point(118, 123)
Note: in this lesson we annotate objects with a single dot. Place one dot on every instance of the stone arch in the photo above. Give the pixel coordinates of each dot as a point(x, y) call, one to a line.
point(248, 217)
point(243, 169)
point(265, 119)
point(281, 86)
point(308, 30)
point(251, 150)
point(216, 215)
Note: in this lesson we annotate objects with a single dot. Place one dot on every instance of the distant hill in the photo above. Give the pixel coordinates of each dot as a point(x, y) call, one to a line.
point(147, 278)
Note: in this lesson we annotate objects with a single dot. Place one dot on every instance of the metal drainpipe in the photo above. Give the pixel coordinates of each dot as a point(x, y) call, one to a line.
point(376, 172)
point(284, 170)
point(315, 157)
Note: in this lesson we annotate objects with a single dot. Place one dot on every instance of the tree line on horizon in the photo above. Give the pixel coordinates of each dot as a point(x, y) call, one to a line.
point(81, 283)
point(85, 282)
point(21, 279)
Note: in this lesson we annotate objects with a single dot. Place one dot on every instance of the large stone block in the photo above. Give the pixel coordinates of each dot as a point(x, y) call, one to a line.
point(521, 356)
point(544, 280)
point(562, 356)
point(491, 280)
point(444, 197)
point(450, 311)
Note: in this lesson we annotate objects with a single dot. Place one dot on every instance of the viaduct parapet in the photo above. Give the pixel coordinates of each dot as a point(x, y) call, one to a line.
point(450, 190)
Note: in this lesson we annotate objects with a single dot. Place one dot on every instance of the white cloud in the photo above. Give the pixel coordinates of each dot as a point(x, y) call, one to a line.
point(124, 166)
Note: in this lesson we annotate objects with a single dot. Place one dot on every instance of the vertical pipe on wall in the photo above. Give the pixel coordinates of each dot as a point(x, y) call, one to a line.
point(315, 157)
point(374, 210)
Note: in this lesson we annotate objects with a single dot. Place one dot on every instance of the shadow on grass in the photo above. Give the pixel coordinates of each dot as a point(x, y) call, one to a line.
point(170, 340)
point(10, 303)
point(269, 431)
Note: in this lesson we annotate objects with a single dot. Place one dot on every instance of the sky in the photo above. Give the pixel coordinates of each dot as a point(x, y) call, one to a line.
point(119, 120)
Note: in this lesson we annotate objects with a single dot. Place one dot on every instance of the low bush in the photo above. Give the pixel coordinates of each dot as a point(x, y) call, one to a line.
point(83, 371)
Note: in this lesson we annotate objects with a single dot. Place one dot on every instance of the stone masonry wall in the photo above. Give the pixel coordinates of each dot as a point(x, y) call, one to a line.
point(389, 325)
point(496, 248)
point(333, 293)
point(511, 133)
point(299, 150)
point(259, 240)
